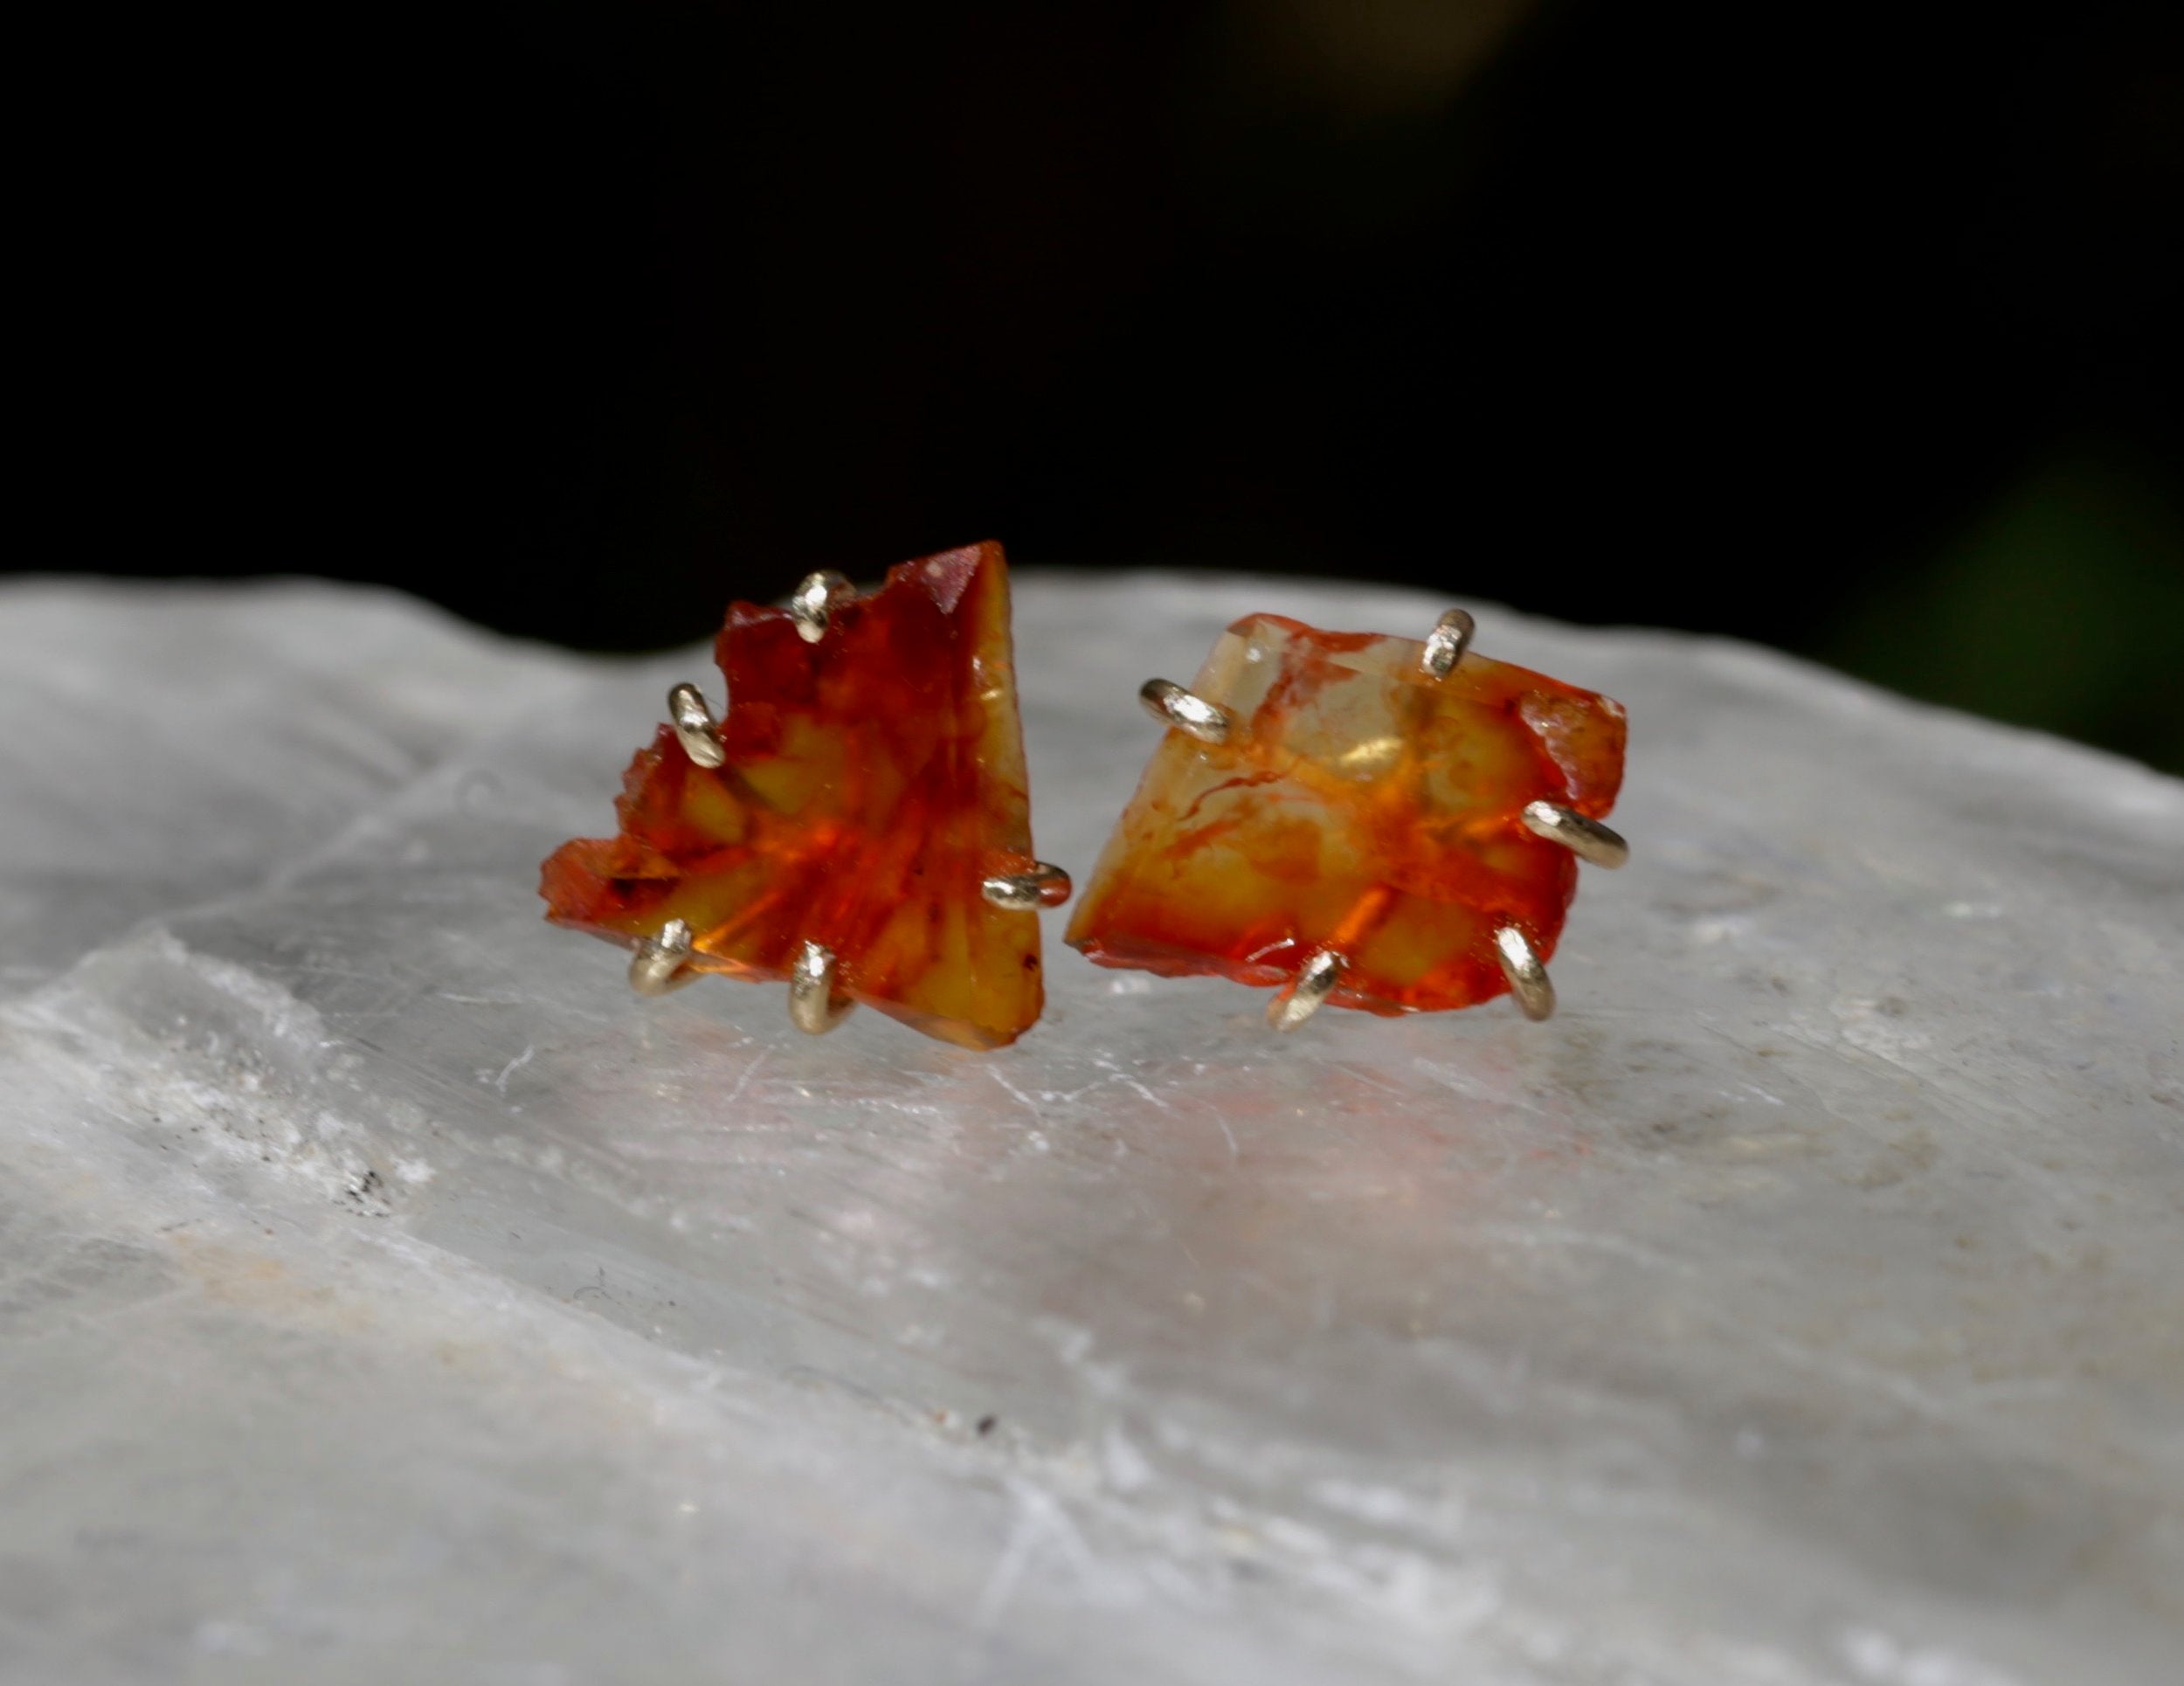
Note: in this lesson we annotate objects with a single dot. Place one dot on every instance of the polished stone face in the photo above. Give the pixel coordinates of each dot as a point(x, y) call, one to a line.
point(1359, 804)
point(873, 781)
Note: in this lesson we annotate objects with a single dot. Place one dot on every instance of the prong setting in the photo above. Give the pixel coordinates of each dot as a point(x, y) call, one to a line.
point(812, 603)
point(1045, 885)
point(660, 962)
point(1446, 644)
point(695, 728)
point(815, 1003)
point(1585, 838)
point(1526, 973)
point(1171, 705)
point(1315, 981)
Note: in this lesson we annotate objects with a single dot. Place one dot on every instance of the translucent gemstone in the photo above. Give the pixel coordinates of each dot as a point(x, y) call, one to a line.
point(873, 780)
point(1359, 804)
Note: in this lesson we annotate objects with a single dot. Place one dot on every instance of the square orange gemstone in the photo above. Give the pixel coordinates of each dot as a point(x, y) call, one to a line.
point(872, 781)
point(1359, 804)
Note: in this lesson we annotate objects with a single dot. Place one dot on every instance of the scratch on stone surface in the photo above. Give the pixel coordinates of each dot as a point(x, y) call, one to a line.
point(1025, 1533)
point(1453, 1077)
point(1235, 1154)
point(1359, 1073)
point(1117, 1074)
point(1536, 1235)
point(500, 1082)
point(744, 1081)
point(1902, 1390)
point(1039, 1522)
point(1971, 1108)
point(1030, 1105)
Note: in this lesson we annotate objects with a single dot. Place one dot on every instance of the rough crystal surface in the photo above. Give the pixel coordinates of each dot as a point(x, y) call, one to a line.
point(1361, 805)
point(874, 780)
point(386, 1295)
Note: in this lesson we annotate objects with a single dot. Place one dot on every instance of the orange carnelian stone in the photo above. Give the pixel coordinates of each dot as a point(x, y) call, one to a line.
point(1358, 805)
point(873, 781)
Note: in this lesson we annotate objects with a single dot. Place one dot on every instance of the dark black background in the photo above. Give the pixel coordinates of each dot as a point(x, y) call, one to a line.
point(1841, 329)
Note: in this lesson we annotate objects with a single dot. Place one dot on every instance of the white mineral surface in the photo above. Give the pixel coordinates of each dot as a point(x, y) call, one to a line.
point(388, 1296)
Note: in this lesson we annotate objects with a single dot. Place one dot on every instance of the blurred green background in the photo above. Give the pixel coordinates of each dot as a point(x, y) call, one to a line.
point(1849, 330)
point(2059, 604)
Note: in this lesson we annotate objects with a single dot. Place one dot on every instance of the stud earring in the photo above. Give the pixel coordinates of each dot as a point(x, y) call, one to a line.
point(1375, 822)
point(856, 824)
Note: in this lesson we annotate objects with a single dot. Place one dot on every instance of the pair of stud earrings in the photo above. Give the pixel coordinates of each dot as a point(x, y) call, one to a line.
point(1373, 822)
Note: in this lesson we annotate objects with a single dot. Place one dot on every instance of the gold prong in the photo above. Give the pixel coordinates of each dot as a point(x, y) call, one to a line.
point(660, 963)
point(1527, 977)
point(1314, 983)
point(1044, 886)
point(812, 603)
point(1446, 644)
point(815, 1005)
point(695, 729)
point(1169, 704)
point(1585, 838)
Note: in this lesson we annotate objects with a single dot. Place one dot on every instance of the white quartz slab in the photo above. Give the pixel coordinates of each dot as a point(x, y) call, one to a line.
point(385, 1293)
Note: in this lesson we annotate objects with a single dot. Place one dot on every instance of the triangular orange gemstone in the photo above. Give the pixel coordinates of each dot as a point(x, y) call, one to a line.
point(874, 780)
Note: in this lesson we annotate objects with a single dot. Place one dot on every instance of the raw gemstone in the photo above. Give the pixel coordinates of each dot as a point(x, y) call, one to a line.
point(873, 780)
point(1361, 805)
